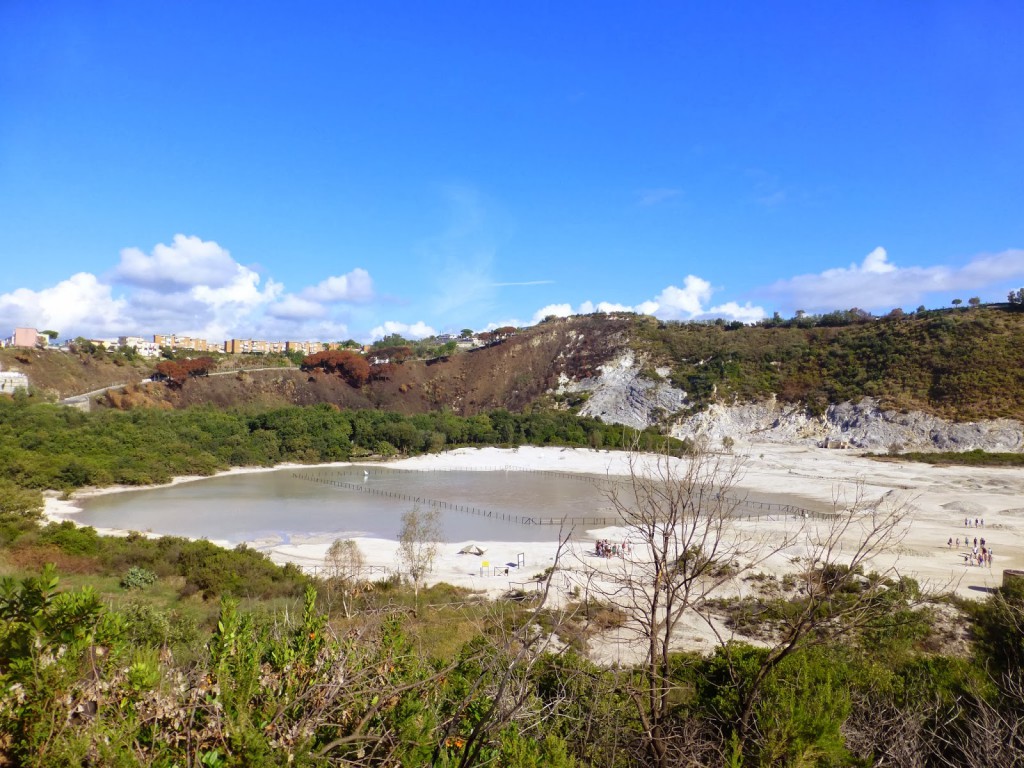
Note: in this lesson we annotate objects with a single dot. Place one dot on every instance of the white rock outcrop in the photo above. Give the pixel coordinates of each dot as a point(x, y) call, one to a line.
point(854, 425)
point(620, 394)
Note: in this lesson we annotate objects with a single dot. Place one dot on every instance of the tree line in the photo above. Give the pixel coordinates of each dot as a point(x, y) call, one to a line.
point(44, 446)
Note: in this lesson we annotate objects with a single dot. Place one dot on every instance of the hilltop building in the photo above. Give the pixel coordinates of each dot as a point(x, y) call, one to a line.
point(184, 342)
point(140, 345)
point(28, 338)
point(263, 347)
point(246, 347)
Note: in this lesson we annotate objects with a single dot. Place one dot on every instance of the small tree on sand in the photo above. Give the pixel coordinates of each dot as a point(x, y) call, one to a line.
point(343, 567)
point(418, 542)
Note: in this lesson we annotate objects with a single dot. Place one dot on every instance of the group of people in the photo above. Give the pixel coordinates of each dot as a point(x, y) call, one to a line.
point(967, 522)
point(605, 548)
point(979, 553)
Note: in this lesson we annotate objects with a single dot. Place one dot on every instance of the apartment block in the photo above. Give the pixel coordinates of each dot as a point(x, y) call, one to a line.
point(140, 345)
point(25, 337)
point(246, 347)
point(184, 342)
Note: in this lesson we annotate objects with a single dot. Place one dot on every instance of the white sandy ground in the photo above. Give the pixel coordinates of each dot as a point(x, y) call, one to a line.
point(941, 497)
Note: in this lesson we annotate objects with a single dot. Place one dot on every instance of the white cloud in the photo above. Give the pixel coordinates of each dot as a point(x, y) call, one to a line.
point(673, 303)
point(189, 287)
point(877, 283)
point(683, 303)
point(987, 269)
point(357, 286)
point(877, 262)
point(558, 310)
point(292, 307)
point(747, 313)
point(242, 293)
point(188, 261)
point(418, 330)
point(80, 302)
point(608, 306)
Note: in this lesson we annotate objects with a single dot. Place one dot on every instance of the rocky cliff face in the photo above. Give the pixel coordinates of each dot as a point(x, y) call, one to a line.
point(851, 425)
point(621, 394)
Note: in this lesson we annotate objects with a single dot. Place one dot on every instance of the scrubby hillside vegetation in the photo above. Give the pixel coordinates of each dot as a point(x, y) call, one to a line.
point(957, 364)
point(54, 374)
point(961, 364)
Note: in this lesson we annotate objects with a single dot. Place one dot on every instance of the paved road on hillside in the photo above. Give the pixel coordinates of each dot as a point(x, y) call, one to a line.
point(86, 396)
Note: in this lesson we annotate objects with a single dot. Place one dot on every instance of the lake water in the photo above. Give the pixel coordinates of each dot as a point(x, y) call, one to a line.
point(352, 501)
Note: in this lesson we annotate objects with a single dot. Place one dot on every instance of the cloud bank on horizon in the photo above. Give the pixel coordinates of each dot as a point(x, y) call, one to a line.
point(197, 287)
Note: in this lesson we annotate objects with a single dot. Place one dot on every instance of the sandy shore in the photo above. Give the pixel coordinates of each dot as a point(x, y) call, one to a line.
point(942, 497)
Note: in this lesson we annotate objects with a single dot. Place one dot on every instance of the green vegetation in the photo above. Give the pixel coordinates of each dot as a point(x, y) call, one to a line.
point(959, 364)
point(975, 458)
point(167, 652)
point(89, 679)
point(44, 446)
point(138, 563)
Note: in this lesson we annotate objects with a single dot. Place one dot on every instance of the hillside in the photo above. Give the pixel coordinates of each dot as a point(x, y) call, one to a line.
point(56, 375)
point(955, 365)
point(959, 364)
point(511, 374)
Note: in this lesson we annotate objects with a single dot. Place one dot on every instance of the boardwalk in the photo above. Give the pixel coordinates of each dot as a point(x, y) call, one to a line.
point(741, 507)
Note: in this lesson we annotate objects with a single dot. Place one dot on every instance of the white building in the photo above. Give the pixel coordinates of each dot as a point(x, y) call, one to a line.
point(140, 345)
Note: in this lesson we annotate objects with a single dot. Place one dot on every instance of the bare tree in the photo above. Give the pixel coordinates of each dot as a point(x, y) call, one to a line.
point(418, 542)
point(891, 734)
point(684, 544)
point(986, 728)
point(979, 731)
point(343, 568)
point(689, 540)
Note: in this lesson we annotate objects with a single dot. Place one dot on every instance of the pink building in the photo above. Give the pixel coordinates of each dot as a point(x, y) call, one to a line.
point(24, 337)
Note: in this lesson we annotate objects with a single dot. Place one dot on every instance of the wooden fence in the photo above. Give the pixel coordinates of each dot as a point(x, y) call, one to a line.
point(747, 509)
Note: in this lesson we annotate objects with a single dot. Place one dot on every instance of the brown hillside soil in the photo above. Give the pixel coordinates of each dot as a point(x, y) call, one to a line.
point(509, 374)
point(63, 374)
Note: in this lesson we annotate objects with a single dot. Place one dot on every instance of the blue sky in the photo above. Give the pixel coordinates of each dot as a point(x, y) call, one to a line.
point(329, 170)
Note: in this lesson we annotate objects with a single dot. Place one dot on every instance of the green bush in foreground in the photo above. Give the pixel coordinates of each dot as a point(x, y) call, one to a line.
point(85, 685)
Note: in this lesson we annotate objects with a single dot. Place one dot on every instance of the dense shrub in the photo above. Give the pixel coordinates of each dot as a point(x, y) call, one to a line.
point(138, 578)
point(46, 446)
